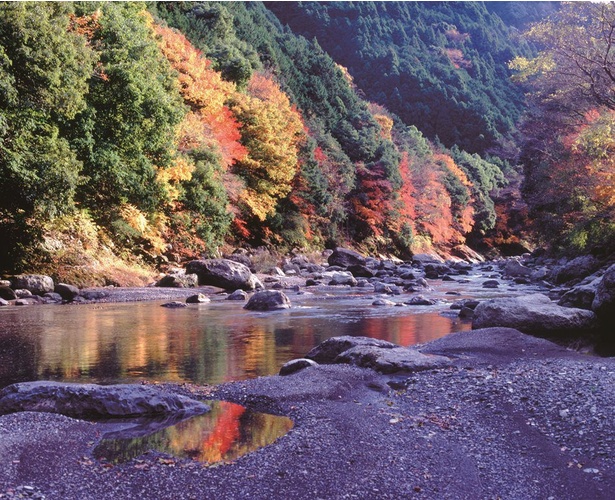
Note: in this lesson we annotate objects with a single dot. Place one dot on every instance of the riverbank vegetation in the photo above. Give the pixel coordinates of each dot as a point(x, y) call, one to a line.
point(135, 135)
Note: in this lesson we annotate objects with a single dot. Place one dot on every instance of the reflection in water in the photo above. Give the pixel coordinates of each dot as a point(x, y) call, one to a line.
point(204, 344)
point(226, 433)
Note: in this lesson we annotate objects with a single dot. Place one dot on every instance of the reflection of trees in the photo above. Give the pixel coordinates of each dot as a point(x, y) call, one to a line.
point(18, 357)
point(227, 432)
point(204, 344)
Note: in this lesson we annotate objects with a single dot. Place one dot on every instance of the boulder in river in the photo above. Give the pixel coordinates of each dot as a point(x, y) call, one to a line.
point(95, 401)
point(419, 300)
point(515, 269)
point(344, 258)
point(38, 284)
point(576, 269)
point(67, 292)
point(178, 281)
point(224, 273)
point(198, 298)
point(238, 295)
point(534, 314)
point(581, 296)
point(342, 278)
point(268, 300)
point(7, 293)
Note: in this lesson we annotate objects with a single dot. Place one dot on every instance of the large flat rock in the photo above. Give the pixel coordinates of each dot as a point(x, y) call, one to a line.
point(96, 401)
point(534, 314)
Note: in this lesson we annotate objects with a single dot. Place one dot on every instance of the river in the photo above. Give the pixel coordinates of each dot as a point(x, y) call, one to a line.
point(214, 342)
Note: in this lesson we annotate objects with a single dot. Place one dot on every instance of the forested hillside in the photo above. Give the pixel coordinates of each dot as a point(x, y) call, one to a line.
point(441, 66)
point(138, 135)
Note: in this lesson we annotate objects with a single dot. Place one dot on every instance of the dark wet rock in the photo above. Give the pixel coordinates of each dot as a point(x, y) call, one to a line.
point(199, 298)
point(491, 284)
point(466, 313)
point(434, 271)
point(295, 365)
point(576, 269)
point(7, 293)
point(174, 305)
point(38, 284)
point(345, 258)
point(420, 301)
point(580, 296)
point(407, 275)
point(604, 300)
point(178, 281)
point(224, 273)
point(268, 300)
point(67, 292)
point(328, 350)
point(522, 281)
point(535, 314)
point(391, 360)
point(446, 277)
point(238, 295)
point(383, 303)
point(95, 401)
point(361, 271)
point(469, 303)
point(312, 282)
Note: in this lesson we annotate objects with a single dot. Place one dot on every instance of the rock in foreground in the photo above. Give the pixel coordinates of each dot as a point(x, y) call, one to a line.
point(378, 355)
point(96, 401)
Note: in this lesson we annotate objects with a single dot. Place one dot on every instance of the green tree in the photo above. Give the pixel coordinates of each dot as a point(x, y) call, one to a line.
point(127, 131)
point(44, 70)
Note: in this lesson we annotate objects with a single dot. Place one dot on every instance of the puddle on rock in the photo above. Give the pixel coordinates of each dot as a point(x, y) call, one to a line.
point(225, 433)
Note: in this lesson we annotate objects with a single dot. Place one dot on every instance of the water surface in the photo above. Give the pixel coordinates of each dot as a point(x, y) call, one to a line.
point(207, 343)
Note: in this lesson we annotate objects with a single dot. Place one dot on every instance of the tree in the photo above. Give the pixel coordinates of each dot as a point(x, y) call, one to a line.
point(44, 68)
point(271, 132)
point(127, 132)
point(576, 65)
point(567, 151)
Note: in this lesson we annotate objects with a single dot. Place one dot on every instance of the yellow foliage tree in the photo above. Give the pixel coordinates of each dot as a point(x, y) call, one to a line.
point(271, 131)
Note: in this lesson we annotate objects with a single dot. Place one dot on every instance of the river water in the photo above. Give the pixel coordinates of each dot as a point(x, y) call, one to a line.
point(208, 343)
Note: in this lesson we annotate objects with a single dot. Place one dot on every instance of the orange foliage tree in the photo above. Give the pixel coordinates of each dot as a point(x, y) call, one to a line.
point(210, 122)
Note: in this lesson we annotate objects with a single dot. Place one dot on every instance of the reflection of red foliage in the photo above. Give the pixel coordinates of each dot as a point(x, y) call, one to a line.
point(226, 431)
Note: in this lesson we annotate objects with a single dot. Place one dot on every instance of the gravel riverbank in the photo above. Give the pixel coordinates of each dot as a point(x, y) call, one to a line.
point(514, 417)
